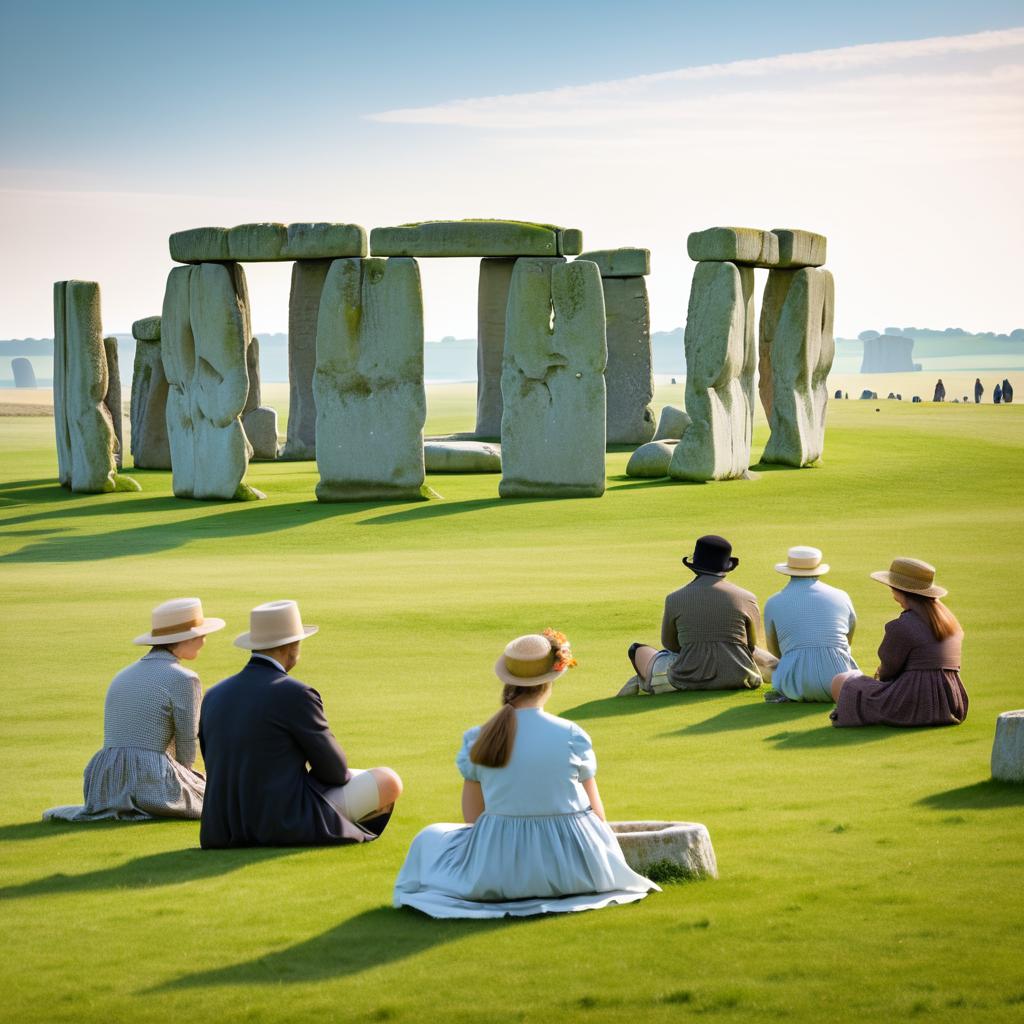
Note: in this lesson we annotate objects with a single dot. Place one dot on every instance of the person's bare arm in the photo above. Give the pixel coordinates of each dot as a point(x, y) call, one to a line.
point(472, 801)
point(590, 788)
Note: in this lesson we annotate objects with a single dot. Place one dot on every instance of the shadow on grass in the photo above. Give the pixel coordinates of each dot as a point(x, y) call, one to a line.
point(85, 505)
point(612, 707)
point(368, 940)
point(981, 796)
point(173, 867)
point(829, 736)
point(438, 509)
point(751, 716)
point(25, 830)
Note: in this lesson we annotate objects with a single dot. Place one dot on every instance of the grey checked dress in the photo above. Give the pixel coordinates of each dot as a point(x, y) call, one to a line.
point(150, 724)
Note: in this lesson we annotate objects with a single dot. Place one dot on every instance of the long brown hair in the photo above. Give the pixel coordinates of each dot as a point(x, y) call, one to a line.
point(493, 747)
point(941, 620)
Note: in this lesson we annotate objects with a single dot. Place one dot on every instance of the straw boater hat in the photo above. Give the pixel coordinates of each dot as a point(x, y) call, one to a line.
point(274, 624)
point(912, 576)
point(528, 661)
point(802, 562)
point(177, 620)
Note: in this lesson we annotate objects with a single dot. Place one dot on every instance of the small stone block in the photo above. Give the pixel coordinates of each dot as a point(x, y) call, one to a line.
point(681, 845)
point(324, 241)
point(800, 248)
point(651, 461)
point(748, 246)
point(462, 457)
point(672, 424)
point(625, 262)
point(570, 241)
point(200, 245)
point(147, 329)
point(1008, 747)
point(260, 426)
point(466, 238)
point(257, 243)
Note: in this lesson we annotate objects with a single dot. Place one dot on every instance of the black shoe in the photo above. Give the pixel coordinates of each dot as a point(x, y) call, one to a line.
point(633, 648)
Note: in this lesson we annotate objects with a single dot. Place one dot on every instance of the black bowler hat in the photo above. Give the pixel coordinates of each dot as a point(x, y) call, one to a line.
point(712, 555)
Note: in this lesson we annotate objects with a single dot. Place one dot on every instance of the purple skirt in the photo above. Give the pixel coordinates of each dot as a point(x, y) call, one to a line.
point(922, 697)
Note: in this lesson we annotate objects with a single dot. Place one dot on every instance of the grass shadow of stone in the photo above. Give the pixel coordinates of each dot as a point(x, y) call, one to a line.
point(85, 505)
point(613, 707)
point(979, 796)
point(752, 716)
point(439, 509)
point(370, 939)
point(830, 736)
point(21, 831)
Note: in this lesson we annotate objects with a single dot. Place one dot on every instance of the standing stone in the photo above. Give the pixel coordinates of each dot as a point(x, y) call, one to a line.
point(60, 412)
point(492, 302)
point(112, 399)
point(802, 350)
point(888, 353)
point(629, 376)
point(720, 360)
point(303, 308)
point(552, 383)
point(178, 350)
point(368, 385)
point(24, 374)
point(148, 410)
point(1008, 747)
point(258, 422)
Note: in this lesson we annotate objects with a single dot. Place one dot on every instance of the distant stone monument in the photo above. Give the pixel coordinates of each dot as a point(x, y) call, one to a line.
point(888, 353)
point(24, 374)
point(148, 411)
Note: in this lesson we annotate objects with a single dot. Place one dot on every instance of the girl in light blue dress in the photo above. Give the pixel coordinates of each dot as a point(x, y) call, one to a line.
point(536, 840)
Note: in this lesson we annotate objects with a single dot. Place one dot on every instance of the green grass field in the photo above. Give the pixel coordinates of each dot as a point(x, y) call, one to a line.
point(868, 875)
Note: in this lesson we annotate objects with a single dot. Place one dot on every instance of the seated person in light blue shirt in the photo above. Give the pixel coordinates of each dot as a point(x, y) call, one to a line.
point(809, 626)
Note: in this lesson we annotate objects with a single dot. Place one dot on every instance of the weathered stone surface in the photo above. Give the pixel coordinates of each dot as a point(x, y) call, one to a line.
point(570, 241)
point(24, 374)
point(672, 424)
point(749, 246)
point(324, 241)
point(146, 329)
point(368, 384)
point(492, 302)
point(774, 298)
point(257, 243)
point(150, 449)
point(112, 397)
point(629, 376)
point(625, 262)
point(802, 351)
point(1008, 747)
point(552, 384)
point(253, 395)
point(60, 373)
point(888, 354)
point(651, 460)
point(260, 426)
point(720, 359)
point(473, 238)
point(178, 349)
point(197, 245)
point(303, 309)
point(676, 846)
point(868, 394)
point(462, 457)
point(916, 399)
point(800, 248)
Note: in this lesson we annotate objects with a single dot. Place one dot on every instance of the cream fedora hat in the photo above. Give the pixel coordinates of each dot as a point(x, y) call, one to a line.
point(274, 624)
point(911, 575)
point(802, 562)
point(528, 661)
point(177, 620)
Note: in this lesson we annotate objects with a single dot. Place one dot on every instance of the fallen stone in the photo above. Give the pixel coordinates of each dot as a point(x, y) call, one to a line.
point(368, 385)
point(800, 248)
point(260, 426)
point(802, 352)
point(625, 262)
point(867, 394)
point(303, 309)
point(720, 362)
point(257, 243)
point(749, 246)
point(552, 383)
point(471, 238)
point(148, 410)
point(888, 354)
point(651, 460)
point(461, 457)
point(24, 374)
point(324, 241)
point(1008, 747)
point(629, 379)
point(146, 329)
point(492, 302)
point(112, 397)
point(198, 245)
point(672, 424)
point(916, 399)
point(671, 848)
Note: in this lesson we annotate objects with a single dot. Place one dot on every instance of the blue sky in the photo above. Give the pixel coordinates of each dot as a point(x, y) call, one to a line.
point(122, 121)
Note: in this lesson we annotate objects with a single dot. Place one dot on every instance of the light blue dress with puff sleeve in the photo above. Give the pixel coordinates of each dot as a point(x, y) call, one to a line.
point(538, 848)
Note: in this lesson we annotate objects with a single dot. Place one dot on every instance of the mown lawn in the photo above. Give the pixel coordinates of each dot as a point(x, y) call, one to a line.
point(865, 874)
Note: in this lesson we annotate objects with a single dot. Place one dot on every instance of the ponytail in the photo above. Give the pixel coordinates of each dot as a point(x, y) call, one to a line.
point(493, 747)
point(940, 619)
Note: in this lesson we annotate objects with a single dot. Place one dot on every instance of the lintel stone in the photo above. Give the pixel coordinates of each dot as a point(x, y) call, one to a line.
point(146, 329)
point(625, 262)
point(268, 243)
point(323, 241)
point(747, 246)
point(260, 243)
point(800, 248)
point(475, 238)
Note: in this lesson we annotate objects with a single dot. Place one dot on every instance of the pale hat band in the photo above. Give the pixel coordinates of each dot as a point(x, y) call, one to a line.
point(274, 624)
point(177, 620)
point(528, 661)
point(802, 561)
point(912, 576)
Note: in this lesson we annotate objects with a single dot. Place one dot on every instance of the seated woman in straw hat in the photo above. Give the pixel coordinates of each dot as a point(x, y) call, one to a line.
point(150, 723)
point(536, 840)
point(918, 678)
point(808, 625)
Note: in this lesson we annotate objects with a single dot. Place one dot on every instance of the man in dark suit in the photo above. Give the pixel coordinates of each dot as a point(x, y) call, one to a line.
point(258, 730)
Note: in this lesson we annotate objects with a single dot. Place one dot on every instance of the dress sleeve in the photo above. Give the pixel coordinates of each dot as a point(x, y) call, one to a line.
point(470, 771)
point(893, 651)
point(186, 699)
point(581, 754)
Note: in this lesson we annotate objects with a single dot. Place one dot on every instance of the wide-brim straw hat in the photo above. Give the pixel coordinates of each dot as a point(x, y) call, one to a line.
point(176, 620)
point(803, 561)
point(274, 624)
point(528, 661)
point(912, 576)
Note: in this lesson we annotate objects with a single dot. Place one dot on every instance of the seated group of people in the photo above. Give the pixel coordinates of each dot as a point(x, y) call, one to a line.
point(535, 838)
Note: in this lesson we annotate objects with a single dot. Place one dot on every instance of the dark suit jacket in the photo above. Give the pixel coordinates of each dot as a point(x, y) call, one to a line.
point(257, 730)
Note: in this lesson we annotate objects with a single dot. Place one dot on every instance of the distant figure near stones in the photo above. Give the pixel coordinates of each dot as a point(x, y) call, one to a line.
point(997, 395)
point(24, 375)
point(979, 390)
point(1007, 392)
point(940, 391)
